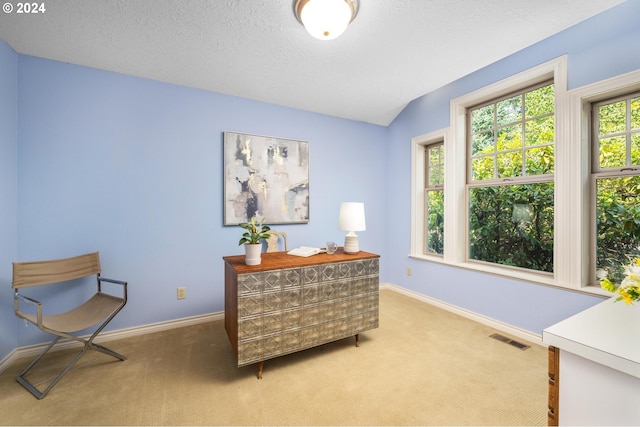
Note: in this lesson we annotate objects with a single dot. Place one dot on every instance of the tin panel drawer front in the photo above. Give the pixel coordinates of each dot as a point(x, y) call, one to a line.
point(250, 305)
point(250, 284)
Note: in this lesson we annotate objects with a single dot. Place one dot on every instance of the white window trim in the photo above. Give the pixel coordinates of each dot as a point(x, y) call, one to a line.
point(580, 100)
point(418, 227)
point(455, 172)
point(572, 242)
point(568, 232)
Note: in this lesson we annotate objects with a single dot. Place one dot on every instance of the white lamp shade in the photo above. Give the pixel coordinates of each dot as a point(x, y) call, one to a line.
point(326, 19)
point(352, 217)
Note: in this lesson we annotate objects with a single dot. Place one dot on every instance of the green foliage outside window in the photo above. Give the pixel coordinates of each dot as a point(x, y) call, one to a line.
point(510, 184)
point(618, 224)
point(511, 222)
point(618, 197)
point(512, 225)
point(435, 222)
point(434, 199)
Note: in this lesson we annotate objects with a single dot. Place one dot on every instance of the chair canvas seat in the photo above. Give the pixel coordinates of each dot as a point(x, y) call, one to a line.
point(89, 314)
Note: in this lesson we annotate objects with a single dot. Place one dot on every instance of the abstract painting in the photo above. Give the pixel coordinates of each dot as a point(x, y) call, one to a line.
point(265, 177)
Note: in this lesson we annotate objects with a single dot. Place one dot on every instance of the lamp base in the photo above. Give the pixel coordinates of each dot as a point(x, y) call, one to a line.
point(351, 244)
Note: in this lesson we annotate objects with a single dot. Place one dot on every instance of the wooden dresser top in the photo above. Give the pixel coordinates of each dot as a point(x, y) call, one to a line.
point(280, 260)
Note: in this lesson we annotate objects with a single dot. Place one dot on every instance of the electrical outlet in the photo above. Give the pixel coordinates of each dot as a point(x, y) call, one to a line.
point(182, 293)
point(408, 271)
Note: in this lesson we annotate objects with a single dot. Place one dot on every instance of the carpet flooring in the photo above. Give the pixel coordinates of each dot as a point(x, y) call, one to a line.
point(422, 366)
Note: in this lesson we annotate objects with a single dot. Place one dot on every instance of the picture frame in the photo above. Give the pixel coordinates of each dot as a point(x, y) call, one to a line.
point(266, 177)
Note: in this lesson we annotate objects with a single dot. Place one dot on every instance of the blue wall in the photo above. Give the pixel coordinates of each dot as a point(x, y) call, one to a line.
point(133, 168)
point(604, 46)
point(8, 192)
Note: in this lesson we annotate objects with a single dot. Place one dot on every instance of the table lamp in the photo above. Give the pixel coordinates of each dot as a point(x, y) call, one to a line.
point(351, 220)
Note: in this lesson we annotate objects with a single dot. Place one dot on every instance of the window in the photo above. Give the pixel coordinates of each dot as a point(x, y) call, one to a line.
point(428, 193)
point(510, 184)
point(434, 198)
point(615, 172)
point(534, 169)
point(509, 198)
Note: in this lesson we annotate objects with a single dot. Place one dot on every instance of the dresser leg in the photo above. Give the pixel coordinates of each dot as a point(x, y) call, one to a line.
point(357, 340)
point(260, 368)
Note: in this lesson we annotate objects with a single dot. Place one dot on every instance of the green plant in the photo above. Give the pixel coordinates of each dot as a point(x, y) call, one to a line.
point(255, 232)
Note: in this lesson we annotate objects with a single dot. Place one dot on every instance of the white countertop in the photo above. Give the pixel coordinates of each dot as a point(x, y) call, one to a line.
point(607, 333)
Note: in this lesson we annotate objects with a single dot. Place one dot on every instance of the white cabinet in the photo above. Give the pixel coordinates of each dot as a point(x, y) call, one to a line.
point(599, 368)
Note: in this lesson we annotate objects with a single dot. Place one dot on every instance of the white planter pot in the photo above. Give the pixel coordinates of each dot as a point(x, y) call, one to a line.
point(253, 253)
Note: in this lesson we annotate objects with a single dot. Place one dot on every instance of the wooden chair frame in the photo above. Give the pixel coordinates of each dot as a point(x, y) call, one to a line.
point(99, 310)
point(272, 241)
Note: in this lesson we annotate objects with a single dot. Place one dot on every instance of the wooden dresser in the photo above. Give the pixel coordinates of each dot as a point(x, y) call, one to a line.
point(289, 303)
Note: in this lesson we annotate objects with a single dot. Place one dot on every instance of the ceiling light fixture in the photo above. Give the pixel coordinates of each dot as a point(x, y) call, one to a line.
point(325, 19)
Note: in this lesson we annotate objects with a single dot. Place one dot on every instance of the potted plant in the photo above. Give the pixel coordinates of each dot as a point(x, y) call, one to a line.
point(251, 240)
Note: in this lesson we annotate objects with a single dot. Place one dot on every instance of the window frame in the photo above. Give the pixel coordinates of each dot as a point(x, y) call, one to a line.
point(431, 188)
point(495, 181)
point(606, 92)
point(419, 145)
point(594, 138)
point(573, 232)
point(523, 120)
point(455, 199)
point(581, 100)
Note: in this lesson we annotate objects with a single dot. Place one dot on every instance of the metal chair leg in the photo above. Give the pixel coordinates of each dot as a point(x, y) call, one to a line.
point(108, 351)
point(87, 344)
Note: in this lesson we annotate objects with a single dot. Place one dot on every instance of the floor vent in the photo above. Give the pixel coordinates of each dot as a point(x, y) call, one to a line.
point(510, 341)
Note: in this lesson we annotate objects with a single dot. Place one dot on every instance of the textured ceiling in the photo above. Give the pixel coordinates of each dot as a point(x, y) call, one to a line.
point(393, 52)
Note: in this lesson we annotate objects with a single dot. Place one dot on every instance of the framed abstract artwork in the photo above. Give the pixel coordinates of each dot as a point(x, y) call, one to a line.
point(265, 177)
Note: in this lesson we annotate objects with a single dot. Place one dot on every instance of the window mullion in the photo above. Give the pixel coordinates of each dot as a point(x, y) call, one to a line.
point(628, 130)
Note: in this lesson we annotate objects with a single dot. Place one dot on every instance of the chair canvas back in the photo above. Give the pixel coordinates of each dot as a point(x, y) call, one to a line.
point(272, 242)
point(37, 273)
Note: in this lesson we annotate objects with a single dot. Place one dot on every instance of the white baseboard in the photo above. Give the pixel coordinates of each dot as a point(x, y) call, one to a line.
point(504, 327)
point(35, 349)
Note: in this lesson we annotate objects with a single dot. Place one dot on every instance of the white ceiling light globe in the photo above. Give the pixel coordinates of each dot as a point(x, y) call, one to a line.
point(326, 19)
